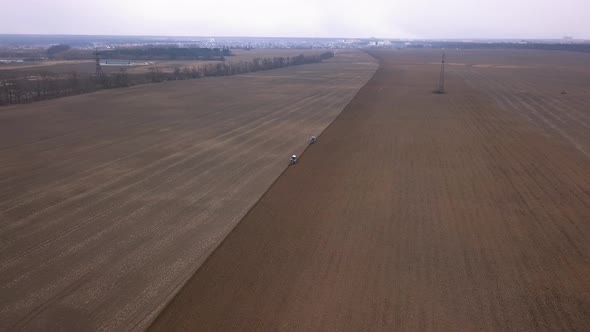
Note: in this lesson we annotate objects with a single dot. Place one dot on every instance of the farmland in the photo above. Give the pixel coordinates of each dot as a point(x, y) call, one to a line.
point(30, 83)
point(167, 66)
point(110, 201)
point(461, 211)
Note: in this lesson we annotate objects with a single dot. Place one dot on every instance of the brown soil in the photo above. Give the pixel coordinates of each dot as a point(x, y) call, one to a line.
point(416, 211)
point(167, 66)
point(110, 201)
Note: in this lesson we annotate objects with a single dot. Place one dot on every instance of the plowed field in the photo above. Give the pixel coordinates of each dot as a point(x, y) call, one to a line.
point(417, 211)
point(166, 66)
point(110, 201)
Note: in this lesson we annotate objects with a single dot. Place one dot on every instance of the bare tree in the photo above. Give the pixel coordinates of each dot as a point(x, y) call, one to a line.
point(121, 79)
point(177, 73)
point(75, 82)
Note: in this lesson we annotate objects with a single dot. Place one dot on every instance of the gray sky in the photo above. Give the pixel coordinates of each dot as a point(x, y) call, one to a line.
point(301, 18)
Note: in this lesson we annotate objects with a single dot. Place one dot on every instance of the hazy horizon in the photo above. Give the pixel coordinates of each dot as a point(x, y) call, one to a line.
point(421, 19)
point(279, 37)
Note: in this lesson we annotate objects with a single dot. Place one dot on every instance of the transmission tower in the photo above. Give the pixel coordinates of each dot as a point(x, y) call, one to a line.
point(99, 72)
point(441, 81)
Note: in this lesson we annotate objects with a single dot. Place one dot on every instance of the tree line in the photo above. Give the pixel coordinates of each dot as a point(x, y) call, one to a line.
point(47, 85)
point(167, 53)
point(499, 45)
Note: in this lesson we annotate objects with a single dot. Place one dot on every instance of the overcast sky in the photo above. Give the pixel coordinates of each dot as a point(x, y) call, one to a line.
point(301, 18)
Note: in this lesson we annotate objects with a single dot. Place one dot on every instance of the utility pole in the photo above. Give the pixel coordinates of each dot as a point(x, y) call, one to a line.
point(441, 81)
point(99, 72)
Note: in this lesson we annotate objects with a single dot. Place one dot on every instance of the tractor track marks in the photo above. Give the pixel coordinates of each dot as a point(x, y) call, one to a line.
point(110, 201)
point(417, 211)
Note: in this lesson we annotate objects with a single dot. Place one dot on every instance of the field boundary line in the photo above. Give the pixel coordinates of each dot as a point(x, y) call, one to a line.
point(151, 317)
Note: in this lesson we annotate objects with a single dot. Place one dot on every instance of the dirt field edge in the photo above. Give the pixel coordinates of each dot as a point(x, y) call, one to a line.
point(148, 321)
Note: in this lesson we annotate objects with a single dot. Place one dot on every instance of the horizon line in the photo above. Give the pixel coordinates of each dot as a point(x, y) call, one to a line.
point(294, 37)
